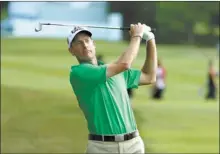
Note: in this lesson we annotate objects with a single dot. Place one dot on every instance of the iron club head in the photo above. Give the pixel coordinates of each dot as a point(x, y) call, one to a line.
point(38, 27)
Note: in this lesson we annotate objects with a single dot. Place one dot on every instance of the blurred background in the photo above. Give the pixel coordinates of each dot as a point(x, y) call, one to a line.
point(39, 111)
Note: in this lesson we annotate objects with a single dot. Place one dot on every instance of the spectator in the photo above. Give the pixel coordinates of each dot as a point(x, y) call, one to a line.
point(159, 86)
point(211, 82)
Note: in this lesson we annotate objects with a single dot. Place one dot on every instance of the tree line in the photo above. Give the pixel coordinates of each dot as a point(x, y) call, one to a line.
point(176, 22)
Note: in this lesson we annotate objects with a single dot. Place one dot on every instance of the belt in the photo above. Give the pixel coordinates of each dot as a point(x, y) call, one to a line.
point(116, 138)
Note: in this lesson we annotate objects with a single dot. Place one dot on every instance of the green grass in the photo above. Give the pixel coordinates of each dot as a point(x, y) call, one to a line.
point(40, 112)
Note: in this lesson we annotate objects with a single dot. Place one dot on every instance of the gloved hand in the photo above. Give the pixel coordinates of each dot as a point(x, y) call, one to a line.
point(147, 34)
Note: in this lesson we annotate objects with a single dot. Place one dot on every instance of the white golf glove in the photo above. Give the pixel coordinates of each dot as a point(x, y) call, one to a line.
point(147, 34)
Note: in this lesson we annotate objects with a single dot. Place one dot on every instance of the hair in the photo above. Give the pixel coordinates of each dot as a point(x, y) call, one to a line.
point(210, 62)
point(99, 57)
point(159, 63)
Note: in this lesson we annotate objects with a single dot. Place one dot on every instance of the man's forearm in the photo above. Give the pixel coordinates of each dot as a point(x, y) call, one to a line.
point(130, 53)
point(150, 64)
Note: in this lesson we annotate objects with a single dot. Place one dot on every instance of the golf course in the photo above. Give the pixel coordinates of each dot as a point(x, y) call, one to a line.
point(40, 113)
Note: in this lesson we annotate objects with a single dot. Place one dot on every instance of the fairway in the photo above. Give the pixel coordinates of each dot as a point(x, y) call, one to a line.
point(40, 112)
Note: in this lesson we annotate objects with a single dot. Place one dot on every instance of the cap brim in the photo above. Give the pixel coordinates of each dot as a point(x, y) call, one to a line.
point(86, 31)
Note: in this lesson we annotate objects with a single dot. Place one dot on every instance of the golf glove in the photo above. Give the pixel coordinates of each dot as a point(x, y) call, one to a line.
point(147, 34)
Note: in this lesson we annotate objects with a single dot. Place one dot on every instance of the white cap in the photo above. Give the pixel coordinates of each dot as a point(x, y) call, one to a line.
point(74, 32)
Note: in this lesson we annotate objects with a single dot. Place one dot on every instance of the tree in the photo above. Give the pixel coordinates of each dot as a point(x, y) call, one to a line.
point(180, 18)
point(134, 12)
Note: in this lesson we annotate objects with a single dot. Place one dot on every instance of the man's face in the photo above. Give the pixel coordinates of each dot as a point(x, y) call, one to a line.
point(83, 47)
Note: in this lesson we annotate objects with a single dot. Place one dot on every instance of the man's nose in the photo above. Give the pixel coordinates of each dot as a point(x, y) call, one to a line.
point(85, 44)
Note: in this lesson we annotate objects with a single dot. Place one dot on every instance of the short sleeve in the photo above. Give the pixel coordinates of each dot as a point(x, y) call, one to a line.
point(132, 77)
point(88, 74)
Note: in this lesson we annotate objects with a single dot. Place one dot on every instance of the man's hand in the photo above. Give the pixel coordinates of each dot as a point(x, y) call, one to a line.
point(137, 30)
point(147, 34)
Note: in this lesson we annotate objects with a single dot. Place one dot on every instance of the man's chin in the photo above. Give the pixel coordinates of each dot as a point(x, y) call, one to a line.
point(87, 58)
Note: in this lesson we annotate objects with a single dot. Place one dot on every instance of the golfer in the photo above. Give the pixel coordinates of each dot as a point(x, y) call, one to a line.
point(101, 89)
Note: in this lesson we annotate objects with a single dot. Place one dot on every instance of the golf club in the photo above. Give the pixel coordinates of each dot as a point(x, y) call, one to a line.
point(40, 26)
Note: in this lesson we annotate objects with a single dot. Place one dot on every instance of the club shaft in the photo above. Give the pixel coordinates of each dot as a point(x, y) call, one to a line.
point(89, 26)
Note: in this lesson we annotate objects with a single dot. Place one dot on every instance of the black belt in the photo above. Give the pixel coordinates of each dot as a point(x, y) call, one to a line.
point(117, 138)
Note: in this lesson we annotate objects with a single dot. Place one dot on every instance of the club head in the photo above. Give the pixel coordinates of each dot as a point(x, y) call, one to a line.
point(38, 27)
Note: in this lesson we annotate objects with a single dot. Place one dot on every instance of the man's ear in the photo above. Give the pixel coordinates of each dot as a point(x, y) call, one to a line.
point(70, 50)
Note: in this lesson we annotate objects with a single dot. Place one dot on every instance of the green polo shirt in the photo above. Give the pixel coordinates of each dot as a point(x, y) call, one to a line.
point(105, 101)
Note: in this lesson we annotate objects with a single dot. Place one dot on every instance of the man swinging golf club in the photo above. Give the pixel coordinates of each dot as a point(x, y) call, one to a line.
point(101, 89)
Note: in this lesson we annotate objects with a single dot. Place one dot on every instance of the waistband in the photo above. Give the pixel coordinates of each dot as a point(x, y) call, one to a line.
point(114, 138)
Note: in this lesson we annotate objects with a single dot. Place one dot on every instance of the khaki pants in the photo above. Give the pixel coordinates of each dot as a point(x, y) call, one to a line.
point(135, 145)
